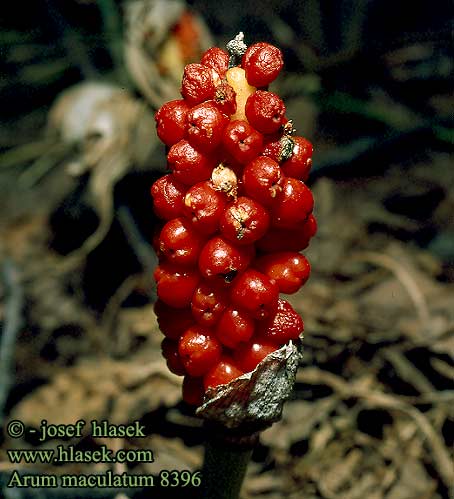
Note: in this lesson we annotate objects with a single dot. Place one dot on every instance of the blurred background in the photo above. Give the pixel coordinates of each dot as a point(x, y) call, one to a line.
point(369, 83)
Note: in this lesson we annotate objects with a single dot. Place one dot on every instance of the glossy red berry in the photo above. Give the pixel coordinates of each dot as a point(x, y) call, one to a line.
point(205, 126)
point(208, 303)
point(255, 293)
point(295, 239)
point(265, 111)
point(223, 261)
point(282, 240)
point(234, 327)
point(262, 63)
point(171, 121)
point(199, 350)
point(169, 350)
point(225, 99)
point(168, 195)
point(193, 390)
point(172, 324)
point(299, 163)
point(262, 180)
point(288, 269)
point(217, 59)
point(175, 285)
point(283, 325)
point(294, 206)
point(248, 355)
point(244, 221)
point(309, 228)
point(221, 374)
point(198, 84)
point(242, 141)
point(180, 243)
point(188, 164)
point(203, 206)
point(272, 146)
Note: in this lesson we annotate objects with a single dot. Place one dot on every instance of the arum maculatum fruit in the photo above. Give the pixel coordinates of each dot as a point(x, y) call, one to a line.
point(236, 212)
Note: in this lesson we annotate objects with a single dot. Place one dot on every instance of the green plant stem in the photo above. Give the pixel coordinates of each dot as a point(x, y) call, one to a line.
point(225, 463)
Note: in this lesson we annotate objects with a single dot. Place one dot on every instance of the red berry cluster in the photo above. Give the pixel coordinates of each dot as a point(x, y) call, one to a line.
point(236, 214)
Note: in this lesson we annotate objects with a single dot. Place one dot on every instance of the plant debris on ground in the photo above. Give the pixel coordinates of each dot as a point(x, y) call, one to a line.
point(372, 412)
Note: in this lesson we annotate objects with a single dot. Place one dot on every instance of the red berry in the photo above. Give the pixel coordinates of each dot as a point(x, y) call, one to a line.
point(168, 196)
point(225, 99)
point(294, 239)
point(288, 269)
point(217, 59)
point(262, 63)
point(282, 240)
point(300, 161)
point(205, 126)
point(193, 390)
point(169, 350)
point(221, 374)
point(255, 293)
point(199, 350)
point(171, 121)
point(208, 303)
point(309, 229)
point(189, 165)
point(265, 111)
point(294, 205)
point(242, 141)
point(272, 146)
point(234, 327)
point(244, 221)
point(180, 243)
point(248, 355)
point(284, 325)
point(262, 179)
point(204, 205)
point(198, 84)
point(223, 261)
point(175, 286)
point(171, 324)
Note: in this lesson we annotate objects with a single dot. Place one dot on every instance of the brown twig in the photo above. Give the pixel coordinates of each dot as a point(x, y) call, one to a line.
point(377, 399)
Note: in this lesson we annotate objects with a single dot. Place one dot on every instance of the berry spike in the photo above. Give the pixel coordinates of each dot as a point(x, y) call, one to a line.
point(236, 213)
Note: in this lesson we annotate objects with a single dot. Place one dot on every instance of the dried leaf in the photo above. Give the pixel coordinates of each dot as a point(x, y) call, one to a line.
point(255, 400)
